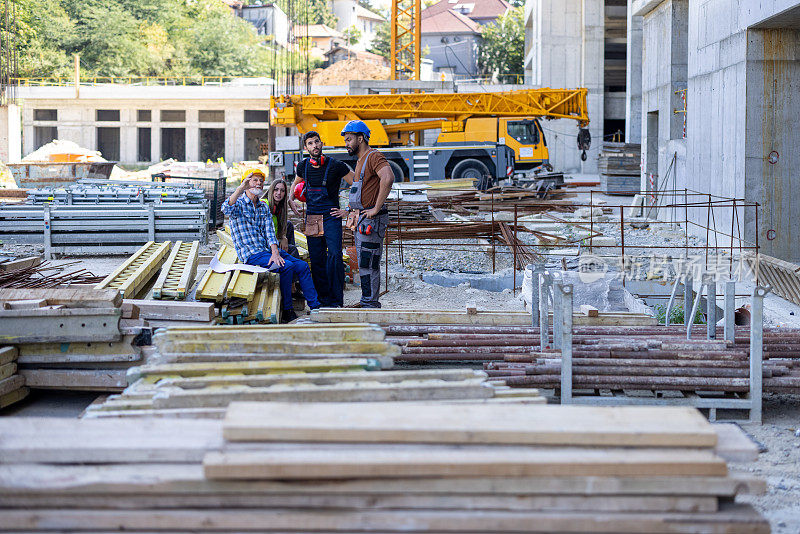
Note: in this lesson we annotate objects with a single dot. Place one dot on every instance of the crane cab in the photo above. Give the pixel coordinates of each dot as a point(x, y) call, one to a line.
point(523, 135)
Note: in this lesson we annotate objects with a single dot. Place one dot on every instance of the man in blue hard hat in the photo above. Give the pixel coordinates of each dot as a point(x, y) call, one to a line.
point(369, 216)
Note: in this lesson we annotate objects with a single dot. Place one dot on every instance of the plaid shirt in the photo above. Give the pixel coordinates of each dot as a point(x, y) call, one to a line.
point(251, 226)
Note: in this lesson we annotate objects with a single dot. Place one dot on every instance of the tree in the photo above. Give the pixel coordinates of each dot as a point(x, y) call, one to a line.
point(353, 35)
point(382, 42)
point(316, 11)
point(501, 53)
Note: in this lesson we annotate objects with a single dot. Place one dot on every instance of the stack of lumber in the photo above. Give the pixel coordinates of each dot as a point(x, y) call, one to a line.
point(72, 339)
point(781, 276)
point(620, 168)
point(387, 467)
point(243, 297)
point(12, 384)
point(159, 314)
point(409, 202)
point(197, 373)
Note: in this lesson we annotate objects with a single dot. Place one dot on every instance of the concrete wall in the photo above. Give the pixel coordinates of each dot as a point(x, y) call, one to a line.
point(743, 76)
point(77, 116)
point(664, 42)
point(10, 134)
point(565, 48)
point(633, 95)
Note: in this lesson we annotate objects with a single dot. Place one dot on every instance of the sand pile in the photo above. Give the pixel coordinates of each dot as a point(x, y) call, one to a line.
point(341, 72)
point(63, 151)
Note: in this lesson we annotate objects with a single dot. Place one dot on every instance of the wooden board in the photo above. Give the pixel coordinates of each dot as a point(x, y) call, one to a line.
point(73, 298)
point(732, 519)
point(176, 311)
point(76, 379)
point(187, 478)
point(481, 317)
point(91, 441)
point(8, 354)
point(22, 263)
point(13, 397)
point(12, 383)
point(6, 370)
point(115, 351)
point(402, 422)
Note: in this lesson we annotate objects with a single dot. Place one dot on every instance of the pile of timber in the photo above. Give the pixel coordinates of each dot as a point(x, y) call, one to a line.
point(620, 168)
point(242, 297)
point(12, 384)
point(197, 372)
point(383, 467)
point(72, 339)
point(525, 200)
point(655, 357)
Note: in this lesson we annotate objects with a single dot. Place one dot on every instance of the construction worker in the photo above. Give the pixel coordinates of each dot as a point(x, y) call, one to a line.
point(256, 244)
point(323, 226)
point(369, 218)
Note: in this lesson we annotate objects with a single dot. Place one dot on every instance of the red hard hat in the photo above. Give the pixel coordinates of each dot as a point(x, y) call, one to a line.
point(300, 191)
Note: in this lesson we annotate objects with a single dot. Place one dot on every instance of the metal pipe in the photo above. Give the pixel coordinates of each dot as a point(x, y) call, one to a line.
point(730, 311)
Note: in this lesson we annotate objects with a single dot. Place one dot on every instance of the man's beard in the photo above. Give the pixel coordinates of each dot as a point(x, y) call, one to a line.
point(350, 151)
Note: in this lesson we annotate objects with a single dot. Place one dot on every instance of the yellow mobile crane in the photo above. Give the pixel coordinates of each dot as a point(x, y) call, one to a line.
point(482, 134)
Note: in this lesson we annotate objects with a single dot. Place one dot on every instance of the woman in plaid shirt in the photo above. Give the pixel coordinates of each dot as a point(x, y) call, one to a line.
point(256, 244)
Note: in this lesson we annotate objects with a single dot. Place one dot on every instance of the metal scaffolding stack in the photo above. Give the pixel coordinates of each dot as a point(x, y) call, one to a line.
point(102, 228)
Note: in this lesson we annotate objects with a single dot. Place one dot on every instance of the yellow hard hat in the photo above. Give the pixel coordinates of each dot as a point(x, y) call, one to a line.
point(250, 172)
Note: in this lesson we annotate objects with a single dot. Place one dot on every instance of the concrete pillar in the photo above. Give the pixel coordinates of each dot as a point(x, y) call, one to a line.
point(10, 133)
point(593, 75)
point(633, 97)
point(192, 135)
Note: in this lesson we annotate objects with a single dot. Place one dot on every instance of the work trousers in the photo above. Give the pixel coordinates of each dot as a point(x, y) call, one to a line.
point(293, 267)
point(369, 249)
point(327, 269)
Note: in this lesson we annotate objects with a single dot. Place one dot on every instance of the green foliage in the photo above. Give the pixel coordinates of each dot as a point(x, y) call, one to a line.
point(352, 34)
point(676, 314)
point(136, 38)
point(502, 50)
point(382, 42)
point(318, 11)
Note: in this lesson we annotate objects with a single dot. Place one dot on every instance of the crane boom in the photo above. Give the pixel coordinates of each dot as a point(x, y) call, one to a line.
point(301, 110)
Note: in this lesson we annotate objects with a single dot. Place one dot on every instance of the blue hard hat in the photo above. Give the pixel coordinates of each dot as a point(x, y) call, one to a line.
point(356, 127)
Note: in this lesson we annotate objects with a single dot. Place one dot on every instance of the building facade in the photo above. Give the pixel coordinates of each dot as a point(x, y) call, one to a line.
point(141, 124)
point(738, 61)
point(352, 15)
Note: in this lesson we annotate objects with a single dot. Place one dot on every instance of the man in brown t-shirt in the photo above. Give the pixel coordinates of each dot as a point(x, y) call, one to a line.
point(371, 186)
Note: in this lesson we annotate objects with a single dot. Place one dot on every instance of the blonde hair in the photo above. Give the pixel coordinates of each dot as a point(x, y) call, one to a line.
point(280, 211)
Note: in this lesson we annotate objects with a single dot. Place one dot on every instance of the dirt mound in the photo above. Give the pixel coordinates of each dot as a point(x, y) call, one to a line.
point(63, 151)
point(341, 72)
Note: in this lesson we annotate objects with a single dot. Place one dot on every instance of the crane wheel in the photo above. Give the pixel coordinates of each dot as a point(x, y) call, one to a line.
point(398, 171)
point(470, 169)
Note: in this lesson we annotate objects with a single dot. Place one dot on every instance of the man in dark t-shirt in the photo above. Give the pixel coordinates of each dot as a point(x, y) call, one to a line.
point(323, 226)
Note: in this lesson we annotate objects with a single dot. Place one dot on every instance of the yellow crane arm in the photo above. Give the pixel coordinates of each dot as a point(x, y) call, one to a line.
point(545, 103)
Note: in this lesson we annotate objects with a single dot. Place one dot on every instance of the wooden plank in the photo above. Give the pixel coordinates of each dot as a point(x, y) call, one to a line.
point(73, 298)
point(589, 311)
point(24, 304)
point(482, 317)
point(47, 325)
point(541, 425)
point(115, 351)
point(563, 503)
point(90, 441)
point(733, 444)
point(422, 390)
point(283, 365)
point(76, 379)
point(168, 310)
point(6, 370)
point(8, 354)
point(12, 383)
point(13, 397)
point(21, 263)
point(733, 519)
point(187, 478)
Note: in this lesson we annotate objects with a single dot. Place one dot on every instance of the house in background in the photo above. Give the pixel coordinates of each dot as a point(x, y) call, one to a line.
point(481, 11)
point(451, 40)
point(340, 53)
point(351, 14)
point(451, 33)
point(267, 18)
point(322, 38)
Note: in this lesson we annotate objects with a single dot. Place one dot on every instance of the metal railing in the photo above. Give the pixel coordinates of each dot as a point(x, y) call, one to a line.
point(62, 81)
